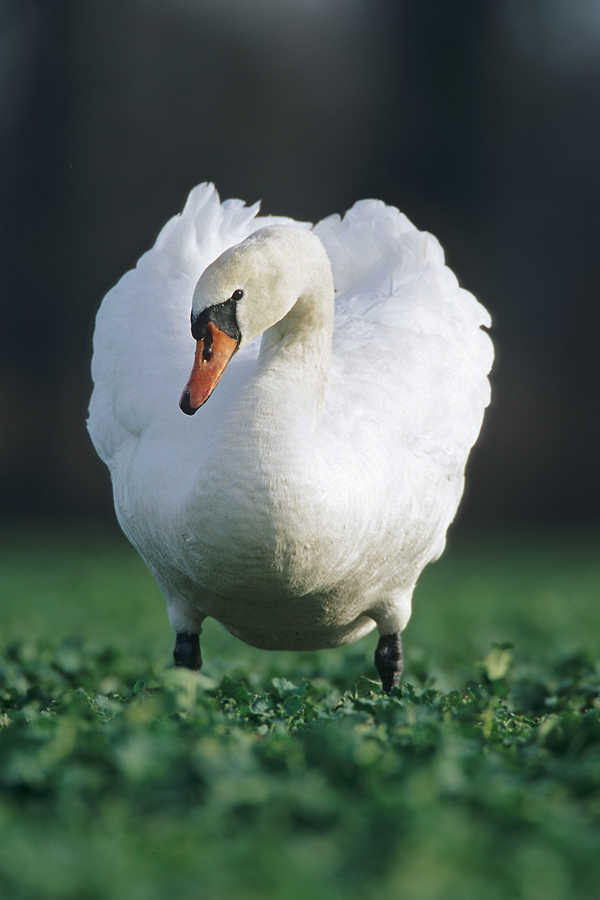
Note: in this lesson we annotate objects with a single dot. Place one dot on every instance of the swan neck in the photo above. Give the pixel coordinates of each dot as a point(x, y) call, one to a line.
point(295, 353)
point(307, 327)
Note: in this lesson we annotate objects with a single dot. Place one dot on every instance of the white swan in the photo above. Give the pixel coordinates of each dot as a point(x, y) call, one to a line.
point(299, 506)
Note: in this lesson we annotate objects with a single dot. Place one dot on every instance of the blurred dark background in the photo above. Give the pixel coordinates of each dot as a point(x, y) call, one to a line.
point(479, 120)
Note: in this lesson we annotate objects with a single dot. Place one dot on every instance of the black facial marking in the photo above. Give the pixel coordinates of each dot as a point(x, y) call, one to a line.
point(207, 349)
point(222, 315)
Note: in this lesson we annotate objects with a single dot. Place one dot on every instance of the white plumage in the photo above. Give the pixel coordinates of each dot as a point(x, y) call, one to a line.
point(300, 504)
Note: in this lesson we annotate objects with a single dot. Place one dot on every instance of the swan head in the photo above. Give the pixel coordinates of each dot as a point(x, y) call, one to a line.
point(247, 290)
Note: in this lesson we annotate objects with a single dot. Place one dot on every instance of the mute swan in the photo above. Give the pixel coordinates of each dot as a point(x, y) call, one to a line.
point(298, 506)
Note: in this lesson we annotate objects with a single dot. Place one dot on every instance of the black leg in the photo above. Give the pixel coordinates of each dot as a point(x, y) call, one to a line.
point(187, 651)
point(388, 660)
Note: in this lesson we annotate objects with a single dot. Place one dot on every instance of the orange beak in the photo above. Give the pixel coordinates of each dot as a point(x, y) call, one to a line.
point(213, 353)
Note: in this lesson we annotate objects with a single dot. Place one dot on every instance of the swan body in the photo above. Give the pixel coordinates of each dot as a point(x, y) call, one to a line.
point(299, 505)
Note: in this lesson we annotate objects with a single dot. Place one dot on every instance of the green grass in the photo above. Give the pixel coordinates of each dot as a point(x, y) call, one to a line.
point(281, 775)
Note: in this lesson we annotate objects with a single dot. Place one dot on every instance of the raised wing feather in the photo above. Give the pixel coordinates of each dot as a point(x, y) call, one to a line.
point(409, 350)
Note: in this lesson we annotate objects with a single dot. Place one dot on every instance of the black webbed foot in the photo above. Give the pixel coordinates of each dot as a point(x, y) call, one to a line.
point(187, 651)
point(388, 660)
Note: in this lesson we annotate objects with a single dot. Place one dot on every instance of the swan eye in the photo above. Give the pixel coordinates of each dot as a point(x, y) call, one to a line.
point(237, 295)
